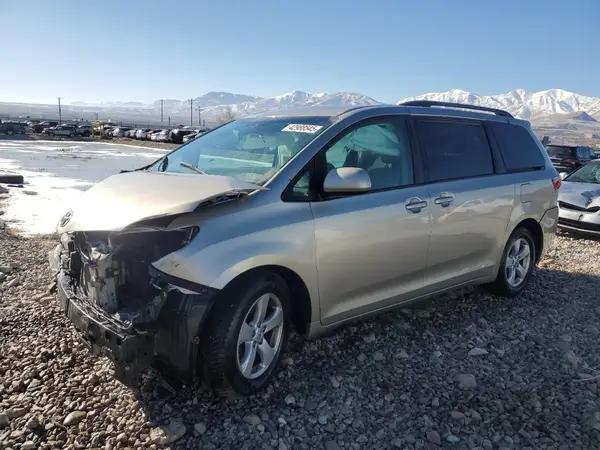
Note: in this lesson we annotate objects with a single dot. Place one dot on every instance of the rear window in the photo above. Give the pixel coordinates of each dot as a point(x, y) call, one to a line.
point(455, 149)
point(519, 150)
point(558, 151)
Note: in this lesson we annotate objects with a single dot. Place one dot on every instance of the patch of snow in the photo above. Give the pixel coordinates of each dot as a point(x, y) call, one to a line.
point(56, 173)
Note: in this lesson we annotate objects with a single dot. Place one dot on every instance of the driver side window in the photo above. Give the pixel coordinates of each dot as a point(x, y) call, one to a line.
point(381, 148)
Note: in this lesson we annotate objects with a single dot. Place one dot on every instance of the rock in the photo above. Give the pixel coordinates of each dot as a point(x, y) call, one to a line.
point(436, 354)
point(260, 428)
point(28, 445)
point(452, 439)
point(572, 358)
point(331, 445)
point(435, 402)
point(379, 356)
point(475, 415)
point(12, 282)
point(168, 434)
point(362, 357)
point(15, 413)
point(74, 418)
point(122, 438)
point(335, 382)
point(32, 423)
point(477, 351)
point(592, 329)
point(2, 276)
point(289, 399)
point(5, 269)
point(434, 437)
point(322, 419)
point(401, 355)
point(369, 338)
point(4, 420)
point(252, 419)
point(466, 381)
point(457, 415)
point(200, 428)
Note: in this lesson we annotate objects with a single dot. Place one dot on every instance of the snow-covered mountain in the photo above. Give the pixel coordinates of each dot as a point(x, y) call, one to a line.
point(522, 104)
point(215, 103)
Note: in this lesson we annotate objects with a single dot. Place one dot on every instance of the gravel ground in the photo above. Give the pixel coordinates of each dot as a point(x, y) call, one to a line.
point(463, 371)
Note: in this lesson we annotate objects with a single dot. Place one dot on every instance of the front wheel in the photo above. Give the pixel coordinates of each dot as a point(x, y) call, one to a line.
point(516, 267)
point(246, 335)
point(72, 135)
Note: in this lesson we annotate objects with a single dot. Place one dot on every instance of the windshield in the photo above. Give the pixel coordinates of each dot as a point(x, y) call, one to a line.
point(251, 150)
point(590, 173)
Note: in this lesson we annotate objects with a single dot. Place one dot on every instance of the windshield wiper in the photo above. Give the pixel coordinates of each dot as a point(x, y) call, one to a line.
point(192, 167)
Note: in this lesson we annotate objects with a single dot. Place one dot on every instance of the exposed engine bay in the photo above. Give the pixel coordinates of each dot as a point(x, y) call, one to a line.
point(112, 270)
point(126, 309)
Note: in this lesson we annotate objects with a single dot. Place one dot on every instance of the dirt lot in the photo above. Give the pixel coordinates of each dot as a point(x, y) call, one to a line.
point(465, 371)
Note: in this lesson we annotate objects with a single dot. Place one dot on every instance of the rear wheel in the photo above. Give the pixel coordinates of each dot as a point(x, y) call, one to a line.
point(516, 267)
point(246, 335)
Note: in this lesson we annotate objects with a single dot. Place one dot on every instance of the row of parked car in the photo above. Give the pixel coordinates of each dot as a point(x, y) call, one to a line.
point(177, 135)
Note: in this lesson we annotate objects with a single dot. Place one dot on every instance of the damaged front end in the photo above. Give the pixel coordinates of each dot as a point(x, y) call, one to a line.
point(126, 309)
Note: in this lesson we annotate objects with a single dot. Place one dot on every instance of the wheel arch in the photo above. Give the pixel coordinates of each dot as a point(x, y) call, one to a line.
point(534, 227)
point(300, 297)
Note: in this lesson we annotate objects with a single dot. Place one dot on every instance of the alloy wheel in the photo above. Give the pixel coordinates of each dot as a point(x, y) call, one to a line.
point(518, 261)
point(260, 336)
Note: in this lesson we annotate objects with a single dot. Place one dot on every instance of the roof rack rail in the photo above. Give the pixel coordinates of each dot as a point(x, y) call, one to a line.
point(430, 103)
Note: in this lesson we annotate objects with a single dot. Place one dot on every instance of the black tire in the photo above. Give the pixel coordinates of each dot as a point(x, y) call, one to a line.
point(72, 135)
point(9, 178)
point(219, 346)
point(9, 132)
point(501, 285)
point(50, 134)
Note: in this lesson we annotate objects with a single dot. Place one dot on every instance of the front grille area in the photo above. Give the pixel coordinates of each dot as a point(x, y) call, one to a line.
point(572, 207)
point(579, 224)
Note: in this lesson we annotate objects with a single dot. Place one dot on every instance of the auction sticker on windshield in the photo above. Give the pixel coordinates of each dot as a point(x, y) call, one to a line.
point(303, 128)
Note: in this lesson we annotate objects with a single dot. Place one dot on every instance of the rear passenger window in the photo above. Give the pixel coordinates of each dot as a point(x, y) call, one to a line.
point(455, 149)
point(518, 148)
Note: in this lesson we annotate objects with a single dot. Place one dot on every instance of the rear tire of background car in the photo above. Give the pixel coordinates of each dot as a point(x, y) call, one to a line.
point(9, 132)
point(516, 267)
point(72, 135)
point(246, 334)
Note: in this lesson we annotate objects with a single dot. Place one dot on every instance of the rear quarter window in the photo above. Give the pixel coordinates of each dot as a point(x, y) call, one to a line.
point(518, 148)
point(455, 150)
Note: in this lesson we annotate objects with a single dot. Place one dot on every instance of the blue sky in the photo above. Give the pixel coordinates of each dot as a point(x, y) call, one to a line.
point(146, 50)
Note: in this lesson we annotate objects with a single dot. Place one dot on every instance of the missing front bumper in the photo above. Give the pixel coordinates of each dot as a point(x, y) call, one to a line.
point(131, 351)
point(170, 342)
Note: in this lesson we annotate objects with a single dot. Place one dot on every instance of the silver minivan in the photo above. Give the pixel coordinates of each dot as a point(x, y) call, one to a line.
point(203, 262)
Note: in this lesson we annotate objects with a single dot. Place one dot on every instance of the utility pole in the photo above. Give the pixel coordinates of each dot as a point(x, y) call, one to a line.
point(59, 113)
point(199, 121)
point(169, 121)
point(191, 112)
point(161, 110)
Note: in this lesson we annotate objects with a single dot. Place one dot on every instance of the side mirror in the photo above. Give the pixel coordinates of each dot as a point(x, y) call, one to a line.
point(563, 175)
point(347, 180)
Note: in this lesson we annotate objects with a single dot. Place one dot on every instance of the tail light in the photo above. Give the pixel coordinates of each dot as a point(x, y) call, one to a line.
point(571, 162)
point(556, 182)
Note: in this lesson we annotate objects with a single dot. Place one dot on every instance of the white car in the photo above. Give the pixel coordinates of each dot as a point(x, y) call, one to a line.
point(141, 133)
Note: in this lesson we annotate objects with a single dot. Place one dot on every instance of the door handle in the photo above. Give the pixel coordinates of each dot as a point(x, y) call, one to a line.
point(415, 204)
point(444, 199)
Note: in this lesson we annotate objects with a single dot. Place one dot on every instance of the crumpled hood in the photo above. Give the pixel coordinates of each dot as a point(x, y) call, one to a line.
point(126, 198)
point(585, 195)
